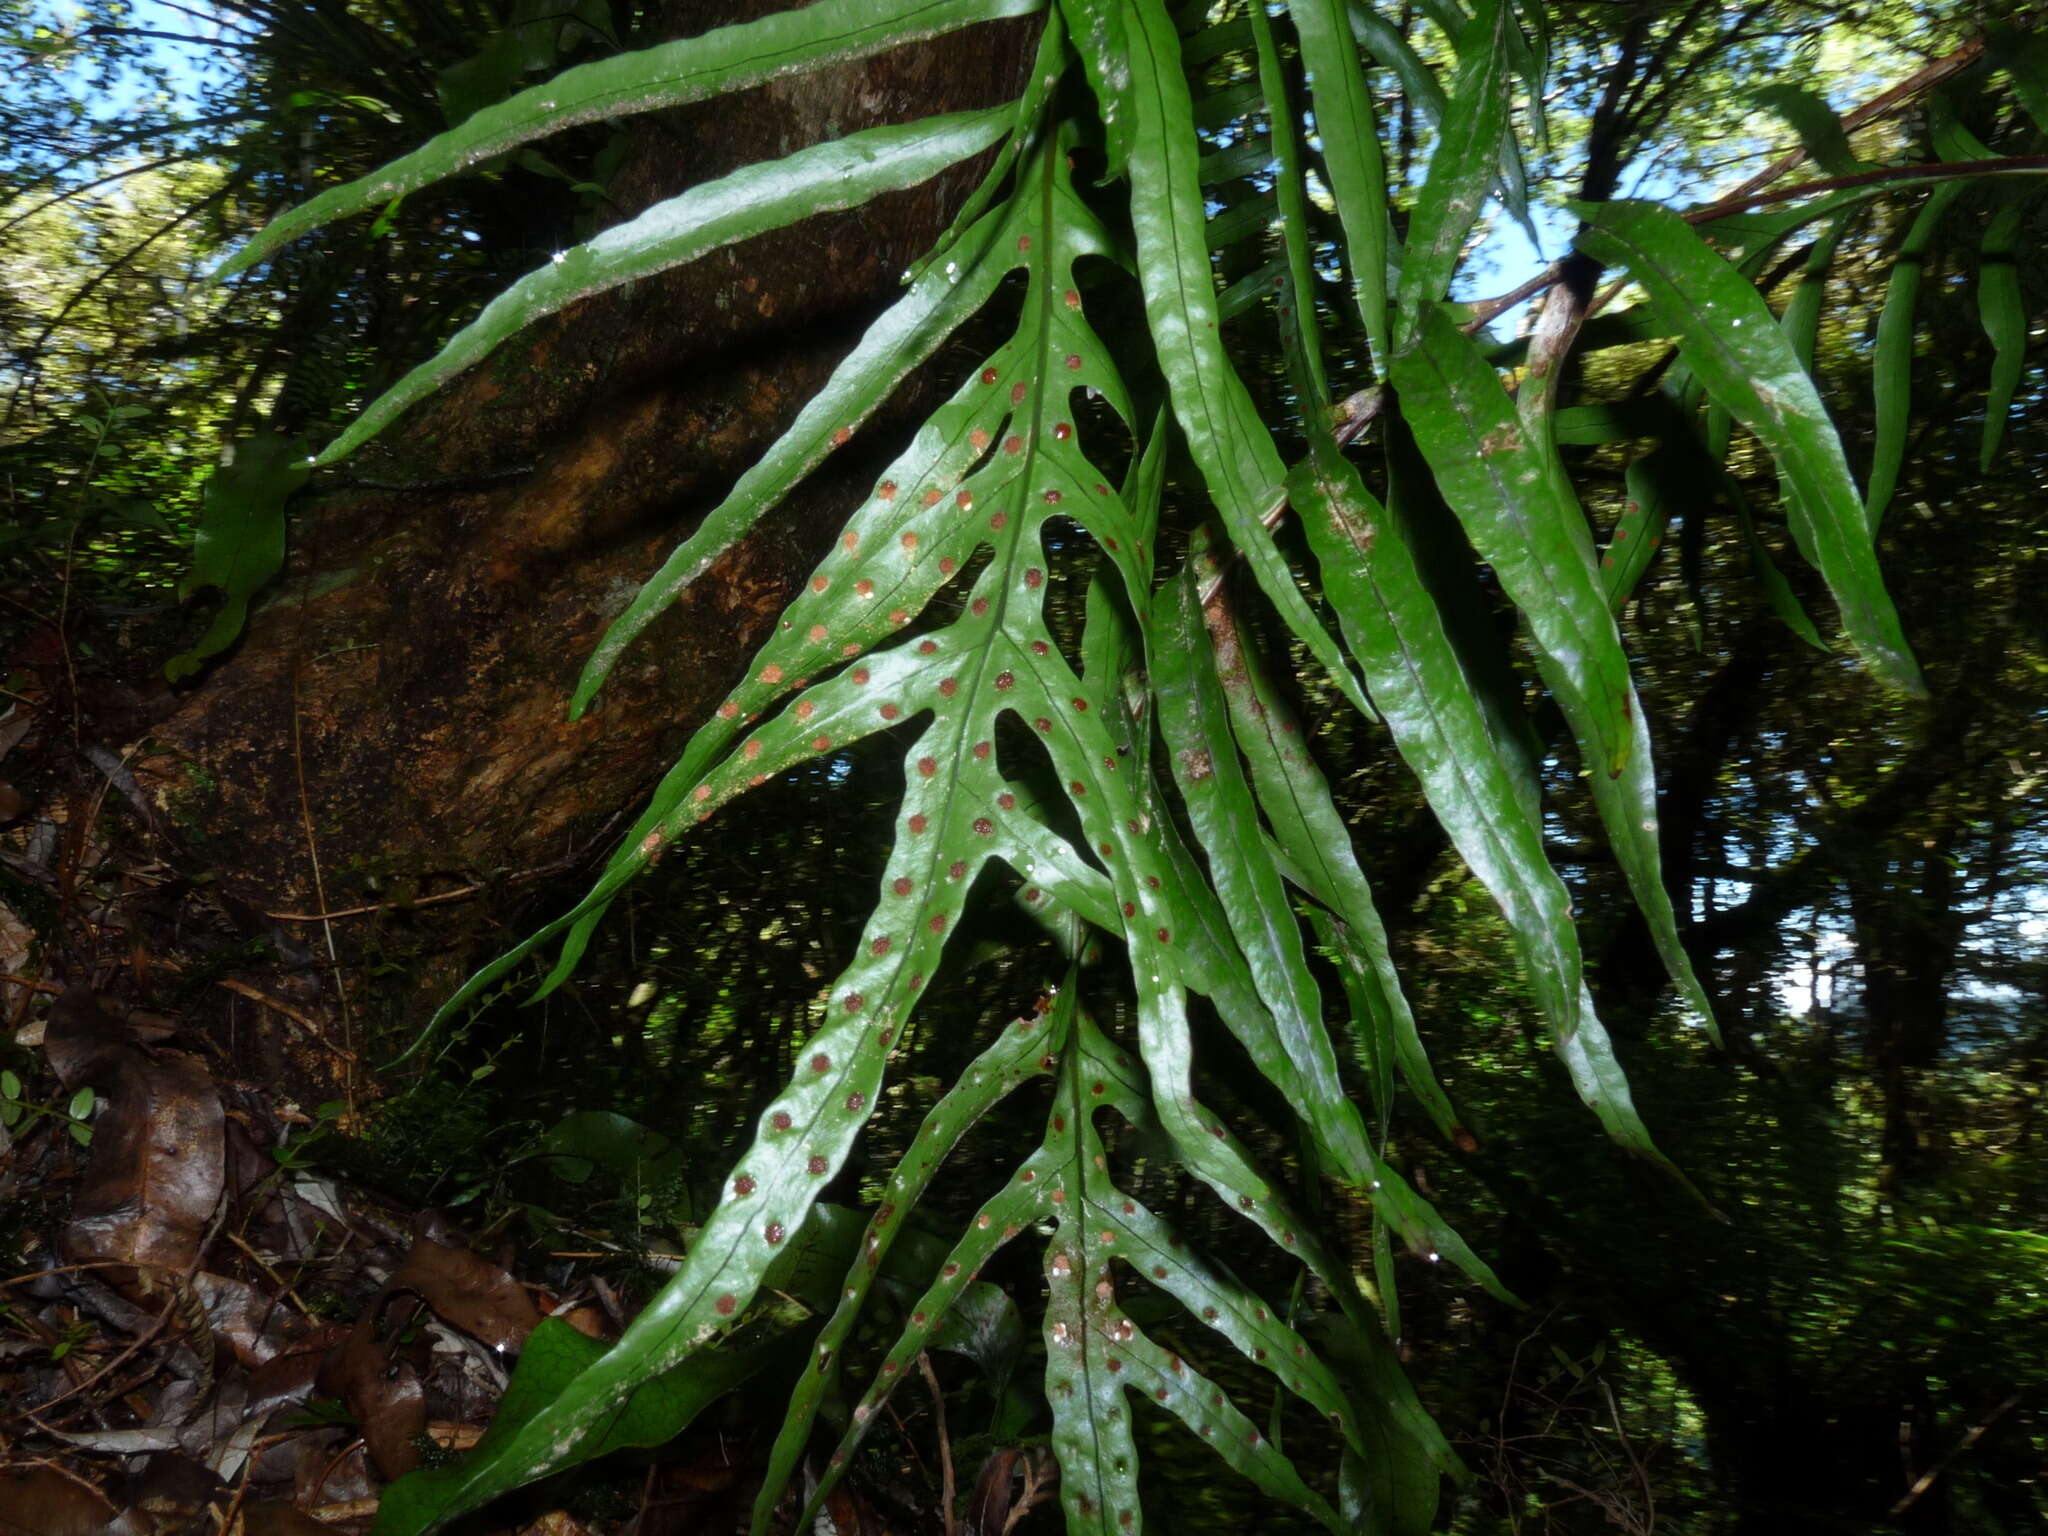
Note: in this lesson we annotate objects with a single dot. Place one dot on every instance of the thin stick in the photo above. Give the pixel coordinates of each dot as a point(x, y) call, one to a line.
point(1871, 110)
point(64, 1269)
point(1926, 1479)
point(1959, 170)
point(265, 1265)
point(931, 1379)
point(538, 872)
point(1038, 1486)
point(30, 982)
point(320, 886)
point(286, 1010)
point(378, 906)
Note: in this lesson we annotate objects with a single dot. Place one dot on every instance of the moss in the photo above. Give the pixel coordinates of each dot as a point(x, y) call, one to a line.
point(189, 804)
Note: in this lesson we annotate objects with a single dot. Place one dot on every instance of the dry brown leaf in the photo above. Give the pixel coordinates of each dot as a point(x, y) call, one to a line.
point(469, 1291)
point(381, 1391)
point(46, 1502)
point(158, 1160)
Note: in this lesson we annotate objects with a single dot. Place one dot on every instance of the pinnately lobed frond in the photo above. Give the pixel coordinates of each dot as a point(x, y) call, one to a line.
point(1072, 767)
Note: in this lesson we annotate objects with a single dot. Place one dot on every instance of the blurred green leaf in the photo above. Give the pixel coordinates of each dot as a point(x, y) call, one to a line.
point(238, 545)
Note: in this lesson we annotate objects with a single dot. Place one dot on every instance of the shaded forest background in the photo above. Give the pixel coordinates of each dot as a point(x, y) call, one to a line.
point(1861, 1344)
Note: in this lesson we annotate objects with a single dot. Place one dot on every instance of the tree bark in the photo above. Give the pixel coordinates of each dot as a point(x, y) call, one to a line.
point(393, 723)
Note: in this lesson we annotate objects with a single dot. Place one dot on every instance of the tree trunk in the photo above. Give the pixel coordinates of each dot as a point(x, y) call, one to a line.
point(392, 727)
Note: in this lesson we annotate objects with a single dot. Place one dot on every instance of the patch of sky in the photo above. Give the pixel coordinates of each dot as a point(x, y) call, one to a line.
point(180, 50)
point(1849, 67)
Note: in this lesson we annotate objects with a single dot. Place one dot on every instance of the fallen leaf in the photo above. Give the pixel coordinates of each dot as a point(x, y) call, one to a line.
point(382, 1392)
point(44, 1502)
point(156, 1170)
point(469, 1291)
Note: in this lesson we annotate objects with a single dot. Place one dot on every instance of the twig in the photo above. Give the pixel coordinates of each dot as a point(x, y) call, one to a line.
point(357, 1444)
point(1945, 170)
point(1635, 1462)
point(157, 1325)
point(1487, 309)
point(233, 1513)
point(63, 1269)
point(931, 1379)
point(320, 884)
point(278, 1280)
point(1038, 1485)
point(539, 872)
point(286, 1010)
point(1873, 109)
point(1926, 1479)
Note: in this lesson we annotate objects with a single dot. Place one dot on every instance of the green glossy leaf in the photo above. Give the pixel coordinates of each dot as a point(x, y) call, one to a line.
point(1451, 577)
point(1801, 325)
point(674, 74)
point(1099, 29)
point(1295, 798)
point(1733, 344)
point(1392, 1488)
point(238, 545)
point(1891, 360)
point(483, 79)
point(988, 471)
point(1001, 1218)
point(1349, 129)
point(1227, 106)
point(1095, 1352)
point(1820, 130)
point(1532, 64)
point(1003, 448)
point(1383, 41)
point(1012, 1059)
point(555, 1357)
point(1216, 1158)
point(1514, 502)
point(986, 1327)
point(636, 1156)
point(1638, 534)
point(2022, 52)
point(1252, 156)
point(1603, 1087)
point(1296, 290)
point(1461, 167)
point(1710, 465)
point(1596, 425)
point(840, 173)
point(1047, 71)
point(1372, 581)
point(1194, 719)
point(2004, 316)
point(1449, 16)
point(1512, 496)
point(1242, 221)
point(1232, 449)
point(1778, 593)
point(1801, 320)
